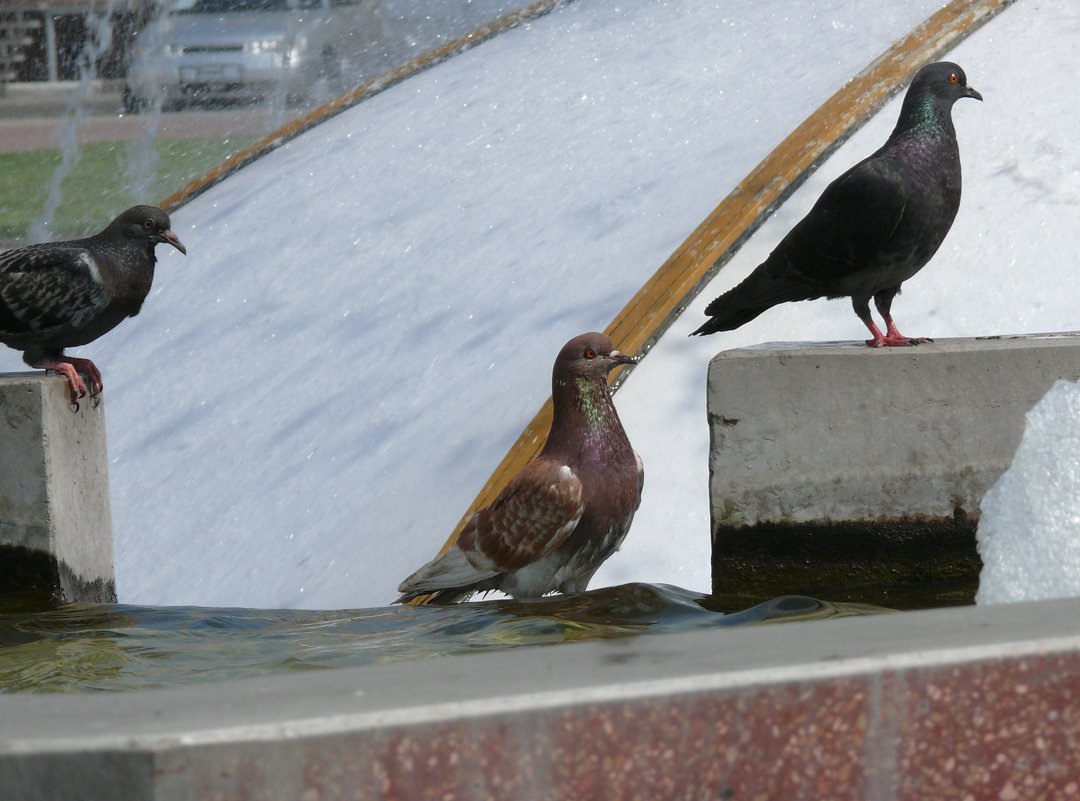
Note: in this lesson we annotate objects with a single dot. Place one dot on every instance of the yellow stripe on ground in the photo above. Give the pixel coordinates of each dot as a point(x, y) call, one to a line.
point(715, 241)
point(365, 90)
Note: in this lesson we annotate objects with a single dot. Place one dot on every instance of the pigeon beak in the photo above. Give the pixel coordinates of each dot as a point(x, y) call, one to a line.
point(174, 240)
point(621, 358)
point(970, 92)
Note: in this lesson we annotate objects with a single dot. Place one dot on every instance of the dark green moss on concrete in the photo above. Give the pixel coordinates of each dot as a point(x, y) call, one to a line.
point(903, 563)
point(31, 578)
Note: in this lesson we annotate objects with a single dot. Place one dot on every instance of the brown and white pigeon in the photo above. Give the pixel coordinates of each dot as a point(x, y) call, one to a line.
point(567, 511)
point(873, 227)
point(58, 295)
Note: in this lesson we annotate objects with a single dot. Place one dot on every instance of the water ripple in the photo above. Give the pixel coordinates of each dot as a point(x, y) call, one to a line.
point(83, 647)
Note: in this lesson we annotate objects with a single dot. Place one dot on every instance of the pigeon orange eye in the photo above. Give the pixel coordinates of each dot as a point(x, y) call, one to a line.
point(954, 78)
point(590, 353)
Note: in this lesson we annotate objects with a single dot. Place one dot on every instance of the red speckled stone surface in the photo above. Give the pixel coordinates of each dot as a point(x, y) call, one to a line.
point(986, 730)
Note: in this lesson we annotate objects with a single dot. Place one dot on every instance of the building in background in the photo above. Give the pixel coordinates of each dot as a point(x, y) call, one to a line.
point(54, 41)
point(16, 34)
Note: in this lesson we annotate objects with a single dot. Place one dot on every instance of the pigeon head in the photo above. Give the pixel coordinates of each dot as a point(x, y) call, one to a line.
point(590, 355)
point(944, 81)
point(147, 224)
point(582, 409)
point(929, 100)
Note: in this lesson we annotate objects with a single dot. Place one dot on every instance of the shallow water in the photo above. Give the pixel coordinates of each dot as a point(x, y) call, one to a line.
point(117, 647)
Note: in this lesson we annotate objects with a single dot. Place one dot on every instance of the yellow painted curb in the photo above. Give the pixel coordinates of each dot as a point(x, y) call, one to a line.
point(329, 109)
point(686, 272)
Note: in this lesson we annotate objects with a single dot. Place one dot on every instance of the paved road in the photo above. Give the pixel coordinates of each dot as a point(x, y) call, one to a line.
point(33, 116)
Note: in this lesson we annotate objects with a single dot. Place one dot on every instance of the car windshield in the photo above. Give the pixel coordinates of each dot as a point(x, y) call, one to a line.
point(226, 6)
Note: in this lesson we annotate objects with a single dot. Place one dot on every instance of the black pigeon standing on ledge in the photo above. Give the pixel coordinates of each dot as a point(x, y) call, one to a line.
point(59, 295)
point(873, 227)
point(567, 511)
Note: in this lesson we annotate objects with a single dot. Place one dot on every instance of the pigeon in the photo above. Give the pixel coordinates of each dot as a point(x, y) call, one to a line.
point(566, 511)
point(58, 295)
point(873, 227)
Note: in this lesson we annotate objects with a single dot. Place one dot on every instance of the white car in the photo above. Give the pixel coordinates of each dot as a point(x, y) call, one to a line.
point(212, 50)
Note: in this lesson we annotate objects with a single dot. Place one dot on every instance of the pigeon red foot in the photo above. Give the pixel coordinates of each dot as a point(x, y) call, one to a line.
point(70, 367)
point(892, 338)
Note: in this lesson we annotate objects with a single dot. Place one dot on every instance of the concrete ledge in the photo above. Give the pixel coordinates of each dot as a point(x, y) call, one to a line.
point(917, 705)
point(835, 466)
point(55, 524)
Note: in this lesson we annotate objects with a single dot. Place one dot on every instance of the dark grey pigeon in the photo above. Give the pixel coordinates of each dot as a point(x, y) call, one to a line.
point(873, 227)
point(567, 511)
point(59, 295)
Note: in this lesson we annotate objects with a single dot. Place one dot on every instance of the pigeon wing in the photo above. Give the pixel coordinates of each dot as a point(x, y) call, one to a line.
point(530, 518)
point(849, 226)
point(46, 287)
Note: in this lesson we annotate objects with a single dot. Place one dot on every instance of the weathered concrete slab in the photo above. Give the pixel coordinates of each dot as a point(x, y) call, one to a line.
point(55, 524)
point(836, 465)
point(956, 703)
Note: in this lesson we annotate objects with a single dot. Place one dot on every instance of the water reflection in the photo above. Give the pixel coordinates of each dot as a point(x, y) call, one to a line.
point(117, 647)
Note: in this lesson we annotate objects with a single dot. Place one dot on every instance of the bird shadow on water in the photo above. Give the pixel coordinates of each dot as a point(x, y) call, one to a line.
point(82, 647)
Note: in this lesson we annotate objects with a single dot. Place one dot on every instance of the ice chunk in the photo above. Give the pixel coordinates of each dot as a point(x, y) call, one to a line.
point(1029, 531)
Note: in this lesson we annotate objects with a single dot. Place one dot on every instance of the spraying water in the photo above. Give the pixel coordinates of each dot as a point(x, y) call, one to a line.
point(142, 156)
point(97, 44)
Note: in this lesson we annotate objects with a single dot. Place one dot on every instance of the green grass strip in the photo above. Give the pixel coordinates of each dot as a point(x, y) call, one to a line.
point(101, 182)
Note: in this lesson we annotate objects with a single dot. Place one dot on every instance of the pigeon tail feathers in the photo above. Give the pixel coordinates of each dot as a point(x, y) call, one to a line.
point(759, 292)
point(450, 574)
